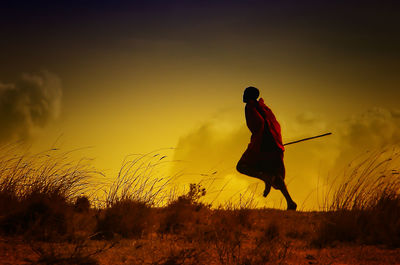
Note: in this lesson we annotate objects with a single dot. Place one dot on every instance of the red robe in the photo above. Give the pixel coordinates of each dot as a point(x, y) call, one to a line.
point(265, 150)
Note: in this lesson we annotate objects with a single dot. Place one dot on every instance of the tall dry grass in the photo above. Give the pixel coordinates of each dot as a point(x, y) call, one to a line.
point(137, 180)
point(49, 197)
point(364, 204)
point(38, 191)
point(127, 210)
point(50, 172)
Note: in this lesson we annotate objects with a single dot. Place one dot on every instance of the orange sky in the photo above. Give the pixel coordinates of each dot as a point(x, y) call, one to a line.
point(135, 77)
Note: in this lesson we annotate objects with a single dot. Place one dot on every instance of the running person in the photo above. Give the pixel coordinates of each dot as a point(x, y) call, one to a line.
point(263, 158)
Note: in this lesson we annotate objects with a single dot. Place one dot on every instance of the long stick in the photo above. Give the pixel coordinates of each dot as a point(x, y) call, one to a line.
point(305, 139)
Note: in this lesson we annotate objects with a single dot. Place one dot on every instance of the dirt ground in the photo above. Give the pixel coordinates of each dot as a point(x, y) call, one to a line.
point(271, 237)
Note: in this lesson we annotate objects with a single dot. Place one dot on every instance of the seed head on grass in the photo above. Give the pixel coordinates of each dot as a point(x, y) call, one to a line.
point(37, 191)
point(137, 180)
point(127, 210)
point(364, 204)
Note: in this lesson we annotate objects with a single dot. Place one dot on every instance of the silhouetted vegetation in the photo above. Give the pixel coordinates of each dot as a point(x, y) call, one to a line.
point(48, 200)
point(185, 211)
point(38, 192)
point(125, 218)
point(365, 204)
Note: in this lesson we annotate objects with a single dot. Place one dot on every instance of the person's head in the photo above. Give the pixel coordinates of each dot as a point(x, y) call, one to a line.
point(250, 93)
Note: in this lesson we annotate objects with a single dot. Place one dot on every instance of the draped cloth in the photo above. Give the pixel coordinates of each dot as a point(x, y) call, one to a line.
point(264, 154)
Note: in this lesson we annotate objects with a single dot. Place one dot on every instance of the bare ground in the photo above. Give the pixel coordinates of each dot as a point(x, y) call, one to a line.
point(265, 237)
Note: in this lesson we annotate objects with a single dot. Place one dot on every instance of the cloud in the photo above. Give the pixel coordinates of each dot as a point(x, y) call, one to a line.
point(216, 146)
point(373, 129)
point(395, 113)
point(29, 104)
point(209, 154)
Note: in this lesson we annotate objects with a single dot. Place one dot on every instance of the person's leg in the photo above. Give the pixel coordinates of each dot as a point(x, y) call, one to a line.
point(267, 188)
point(280, 185)
point(251, 172)
point(245, 169)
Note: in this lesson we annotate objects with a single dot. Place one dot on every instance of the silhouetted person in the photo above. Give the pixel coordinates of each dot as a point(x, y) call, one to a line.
point(263, 158)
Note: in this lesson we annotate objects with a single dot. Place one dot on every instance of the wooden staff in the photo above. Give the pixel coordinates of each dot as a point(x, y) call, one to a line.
point(309, 138)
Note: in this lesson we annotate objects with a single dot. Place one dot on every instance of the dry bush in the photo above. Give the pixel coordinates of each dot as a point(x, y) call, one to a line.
point(129, 198)
point(185, 211)
point(82, 204)
point(365, 205)
point(40, 218)
point(37, 192)
point(83, 221)
point(125, 218)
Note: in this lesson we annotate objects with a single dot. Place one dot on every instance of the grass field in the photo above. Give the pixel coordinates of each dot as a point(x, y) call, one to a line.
point(52, 212)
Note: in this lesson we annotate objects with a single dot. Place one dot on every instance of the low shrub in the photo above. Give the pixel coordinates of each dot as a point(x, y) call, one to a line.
point(184, 211)
point(125, 218)
point(37, 192)
point(38, 217)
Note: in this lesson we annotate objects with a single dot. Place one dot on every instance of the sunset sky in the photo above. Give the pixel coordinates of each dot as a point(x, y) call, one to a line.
point(123, 77)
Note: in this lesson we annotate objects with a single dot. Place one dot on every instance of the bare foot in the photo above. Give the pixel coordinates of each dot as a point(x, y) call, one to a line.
point(292, 206)
point(267, 190)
